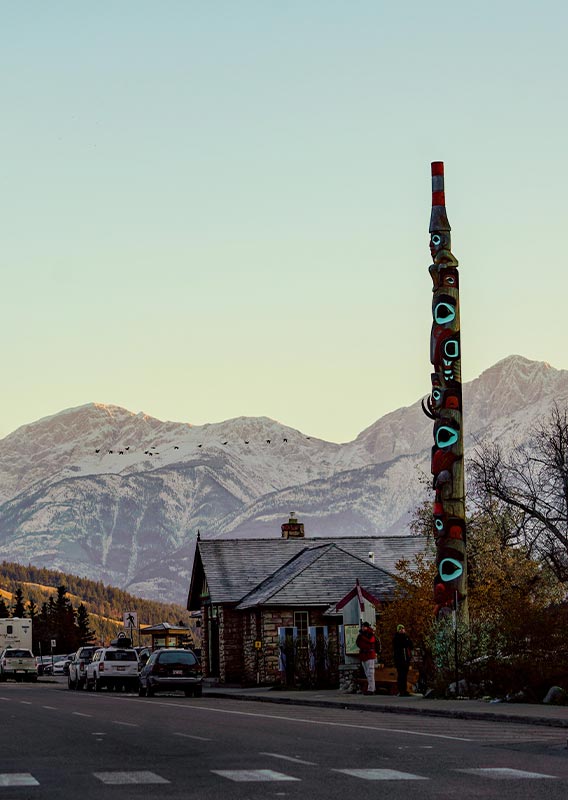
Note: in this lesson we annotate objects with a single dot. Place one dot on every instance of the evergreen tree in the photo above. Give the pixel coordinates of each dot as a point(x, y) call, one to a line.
point(40, 631)
point(4, 610)
point(18, 609)
point(84, 632)
point(64, 622)
point(32, 610)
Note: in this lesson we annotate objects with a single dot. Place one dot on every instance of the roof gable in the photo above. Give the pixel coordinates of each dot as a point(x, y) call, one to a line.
point(317, 577)
point(234, 567)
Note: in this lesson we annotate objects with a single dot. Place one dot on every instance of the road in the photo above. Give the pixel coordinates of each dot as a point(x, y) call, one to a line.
point(55, 743)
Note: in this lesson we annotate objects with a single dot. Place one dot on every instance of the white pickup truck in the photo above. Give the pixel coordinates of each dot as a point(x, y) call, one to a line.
point(78, 666)
point(17, 663)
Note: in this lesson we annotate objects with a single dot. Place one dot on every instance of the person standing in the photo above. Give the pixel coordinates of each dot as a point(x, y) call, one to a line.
point(367, 644)
point(402, 650)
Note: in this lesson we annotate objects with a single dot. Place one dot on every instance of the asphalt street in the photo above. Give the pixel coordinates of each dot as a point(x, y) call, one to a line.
point(55, 743)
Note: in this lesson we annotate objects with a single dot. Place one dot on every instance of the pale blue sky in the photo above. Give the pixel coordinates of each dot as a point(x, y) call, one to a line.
point(218, 209)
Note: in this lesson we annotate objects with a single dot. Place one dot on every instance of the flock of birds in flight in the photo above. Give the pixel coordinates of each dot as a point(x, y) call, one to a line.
point(153, 452)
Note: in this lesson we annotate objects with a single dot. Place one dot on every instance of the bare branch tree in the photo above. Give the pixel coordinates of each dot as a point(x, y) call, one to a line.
point(533, 479)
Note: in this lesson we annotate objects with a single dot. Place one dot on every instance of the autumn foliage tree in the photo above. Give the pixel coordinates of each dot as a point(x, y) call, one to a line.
point(507, 645)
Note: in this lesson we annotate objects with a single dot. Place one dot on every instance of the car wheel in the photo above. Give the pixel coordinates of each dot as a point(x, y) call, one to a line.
point(98, 685)
point(71, 684)
point(150, 692)
point(80, 684)
point(141, 691)
point(197, 691)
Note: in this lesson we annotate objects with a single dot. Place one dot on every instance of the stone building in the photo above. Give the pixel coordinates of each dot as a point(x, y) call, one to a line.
point(269, 606)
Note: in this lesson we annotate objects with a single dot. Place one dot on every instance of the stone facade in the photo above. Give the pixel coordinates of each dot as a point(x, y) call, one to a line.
point(231, 662)
point(240, 660)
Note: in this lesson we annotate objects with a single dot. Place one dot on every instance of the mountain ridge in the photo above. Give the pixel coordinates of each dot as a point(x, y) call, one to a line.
point(131, 516)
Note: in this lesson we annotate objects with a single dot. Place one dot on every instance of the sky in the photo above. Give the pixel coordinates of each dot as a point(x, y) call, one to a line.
point(213, 210)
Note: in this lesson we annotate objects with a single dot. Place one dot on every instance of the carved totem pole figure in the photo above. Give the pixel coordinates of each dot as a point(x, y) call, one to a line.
point(444, 406)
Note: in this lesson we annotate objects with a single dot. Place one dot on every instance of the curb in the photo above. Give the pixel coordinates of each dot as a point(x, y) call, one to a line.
point(391, 709)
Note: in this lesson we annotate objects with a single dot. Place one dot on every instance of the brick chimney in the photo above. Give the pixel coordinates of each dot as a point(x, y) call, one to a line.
point(293, 529)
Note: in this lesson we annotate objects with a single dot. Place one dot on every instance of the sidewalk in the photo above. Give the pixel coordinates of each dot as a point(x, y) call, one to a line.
point(520, 713)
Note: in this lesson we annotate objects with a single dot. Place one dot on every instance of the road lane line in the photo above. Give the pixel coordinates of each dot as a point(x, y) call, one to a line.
point(80, 714)
point(189, 736)
point(50, 708)
point(294, 759)
point(311, 721)
point(26, 702)
point(128, 724)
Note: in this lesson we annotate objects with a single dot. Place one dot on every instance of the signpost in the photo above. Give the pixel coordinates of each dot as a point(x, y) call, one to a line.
point(130, 622)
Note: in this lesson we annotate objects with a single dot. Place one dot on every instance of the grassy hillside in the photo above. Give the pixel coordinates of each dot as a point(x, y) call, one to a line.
point(105, 604)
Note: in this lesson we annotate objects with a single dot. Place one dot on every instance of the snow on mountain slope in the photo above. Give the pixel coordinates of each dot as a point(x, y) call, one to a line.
point(131, 518)
point(101, 440)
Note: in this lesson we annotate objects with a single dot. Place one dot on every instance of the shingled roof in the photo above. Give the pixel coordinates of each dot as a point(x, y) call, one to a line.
point(319, 576)
point(234, 567)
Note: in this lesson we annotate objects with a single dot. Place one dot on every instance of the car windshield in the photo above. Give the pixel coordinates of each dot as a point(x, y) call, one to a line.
point(18, 654)
point(120, 655)
point(185, 657)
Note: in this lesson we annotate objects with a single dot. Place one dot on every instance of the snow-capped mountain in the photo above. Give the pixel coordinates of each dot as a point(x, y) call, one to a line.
point(119, 497)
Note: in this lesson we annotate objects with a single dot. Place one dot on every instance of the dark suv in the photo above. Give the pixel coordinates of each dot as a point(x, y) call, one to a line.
point(170, 669)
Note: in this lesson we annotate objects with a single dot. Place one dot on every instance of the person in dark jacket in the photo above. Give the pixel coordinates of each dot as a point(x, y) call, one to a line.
point(367, 644)
point(402, 650)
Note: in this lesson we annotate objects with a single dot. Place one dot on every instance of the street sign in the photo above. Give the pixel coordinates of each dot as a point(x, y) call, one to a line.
point(130, 619)
point(53, 643)
point(258, 645)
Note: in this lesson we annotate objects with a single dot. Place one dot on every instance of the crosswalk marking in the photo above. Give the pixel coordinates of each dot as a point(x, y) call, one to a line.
point(12, 779)
point(253, 775)
point(17, 779)
point(499, 773)
point(382, 774)
point(141, 776)
point(293, 759)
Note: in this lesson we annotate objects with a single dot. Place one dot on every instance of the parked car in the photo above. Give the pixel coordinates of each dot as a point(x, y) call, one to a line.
point(61, 665)
point(112, 668)
point(17, 663)
point(78, 666)
point(144, 654)
point(170, 669)
point(44, 665)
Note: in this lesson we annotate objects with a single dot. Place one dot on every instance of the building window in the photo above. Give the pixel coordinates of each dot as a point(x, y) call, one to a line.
point(301, 622)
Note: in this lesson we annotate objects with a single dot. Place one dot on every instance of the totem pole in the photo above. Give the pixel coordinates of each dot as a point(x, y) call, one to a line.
point(444, 406)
